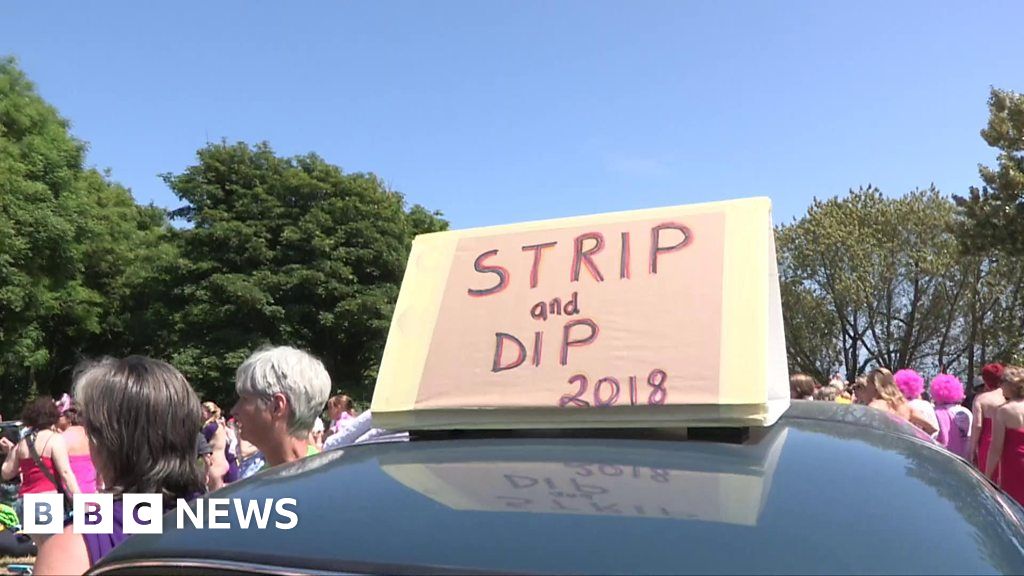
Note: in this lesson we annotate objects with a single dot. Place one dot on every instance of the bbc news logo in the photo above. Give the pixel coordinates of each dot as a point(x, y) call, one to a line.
point(144, 513)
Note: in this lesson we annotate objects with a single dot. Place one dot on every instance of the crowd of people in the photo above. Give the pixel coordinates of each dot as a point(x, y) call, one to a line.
point(985, 427)
point(135, 425)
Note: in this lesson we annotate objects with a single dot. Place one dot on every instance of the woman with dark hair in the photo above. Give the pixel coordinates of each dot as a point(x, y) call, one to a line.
point(41, 457)
point(141, 416)
point(802, 387)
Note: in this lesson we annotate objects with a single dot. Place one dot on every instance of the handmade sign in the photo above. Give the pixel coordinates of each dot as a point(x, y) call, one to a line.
point(666, 317)
point(603, 480)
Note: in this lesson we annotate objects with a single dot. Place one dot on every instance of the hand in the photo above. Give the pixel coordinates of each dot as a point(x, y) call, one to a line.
point(6, 445)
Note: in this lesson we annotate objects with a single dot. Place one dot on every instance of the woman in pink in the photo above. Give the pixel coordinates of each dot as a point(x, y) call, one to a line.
point(954, 420)
point(1007, 449)
point(984, 410)
point(340, 408)
point(51, 452)
point(78, 450)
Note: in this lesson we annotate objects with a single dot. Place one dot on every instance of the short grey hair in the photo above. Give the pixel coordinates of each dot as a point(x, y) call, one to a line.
point(299, 376)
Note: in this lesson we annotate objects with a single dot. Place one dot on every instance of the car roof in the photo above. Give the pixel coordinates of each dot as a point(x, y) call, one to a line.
point(829, 487)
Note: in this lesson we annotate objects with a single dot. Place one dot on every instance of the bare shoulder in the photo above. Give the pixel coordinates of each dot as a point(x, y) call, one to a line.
point(63, 553)
point(73, 433)
point(992, 399)
point(1007, 412)
point(1013, 414)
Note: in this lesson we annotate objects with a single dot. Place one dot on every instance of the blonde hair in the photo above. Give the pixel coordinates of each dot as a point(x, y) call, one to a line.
point(885, 384)
point(214, 411)
point(1013, 382)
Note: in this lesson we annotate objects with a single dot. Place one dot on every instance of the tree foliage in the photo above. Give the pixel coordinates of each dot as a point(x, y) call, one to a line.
point(293, 250)
point(995, 212)
point(287, 250)
point(876, 281)
point(273, 250)
point(72, 246)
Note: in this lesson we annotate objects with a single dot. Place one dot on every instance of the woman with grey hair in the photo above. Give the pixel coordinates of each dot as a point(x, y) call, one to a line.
point(141, 416)
point(280, 393)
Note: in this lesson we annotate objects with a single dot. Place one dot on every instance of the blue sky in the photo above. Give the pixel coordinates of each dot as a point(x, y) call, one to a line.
point(497, 112)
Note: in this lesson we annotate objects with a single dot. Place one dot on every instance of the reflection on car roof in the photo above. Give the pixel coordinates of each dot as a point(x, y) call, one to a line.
point(827, 488)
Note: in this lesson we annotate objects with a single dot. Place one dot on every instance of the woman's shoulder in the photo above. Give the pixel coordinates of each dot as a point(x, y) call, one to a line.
point(75, 436)
point(1006, 412)
point(958, 410)
point(992, 398)
point(880, 404)
point(47, 438)
point(1011, 409)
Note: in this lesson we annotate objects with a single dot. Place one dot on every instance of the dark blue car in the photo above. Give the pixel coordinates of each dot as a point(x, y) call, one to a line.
point(827, 489)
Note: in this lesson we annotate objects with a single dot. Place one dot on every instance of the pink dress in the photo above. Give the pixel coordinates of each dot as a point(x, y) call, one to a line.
point(85, 473)
point(1011, 464)
point(984, 441)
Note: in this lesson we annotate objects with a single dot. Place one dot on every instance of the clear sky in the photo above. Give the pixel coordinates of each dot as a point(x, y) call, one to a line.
point(497, 112)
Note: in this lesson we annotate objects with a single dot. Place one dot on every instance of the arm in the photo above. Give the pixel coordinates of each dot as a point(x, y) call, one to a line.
point(972, 449)
point(207, 463)
point(218, 462)
point(11, 466)
point(995, 450)
point(918, 419)
point(247, 449)
point(59, 454)
point(62, 554)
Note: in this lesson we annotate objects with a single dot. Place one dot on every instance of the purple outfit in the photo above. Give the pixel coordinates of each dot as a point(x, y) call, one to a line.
point(232, 474)
point(99, 545)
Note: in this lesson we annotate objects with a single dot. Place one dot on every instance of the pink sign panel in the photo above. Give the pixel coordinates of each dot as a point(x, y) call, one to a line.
point(609, 315)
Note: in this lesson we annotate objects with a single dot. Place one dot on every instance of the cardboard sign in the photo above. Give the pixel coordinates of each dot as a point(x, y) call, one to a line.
point(666, 317)
point(726, 488)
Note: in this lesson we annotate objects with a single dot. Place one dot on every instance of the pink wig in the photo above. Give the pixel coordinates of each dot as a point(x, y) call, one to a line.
point(909, 382)
point(946, 389)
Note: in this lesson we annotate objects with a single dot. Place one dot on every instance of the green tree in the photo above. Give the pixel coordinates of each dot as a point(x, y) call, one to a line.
point(286, 251)
point(70, 243)
point(995, 212)
point(871, 279)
